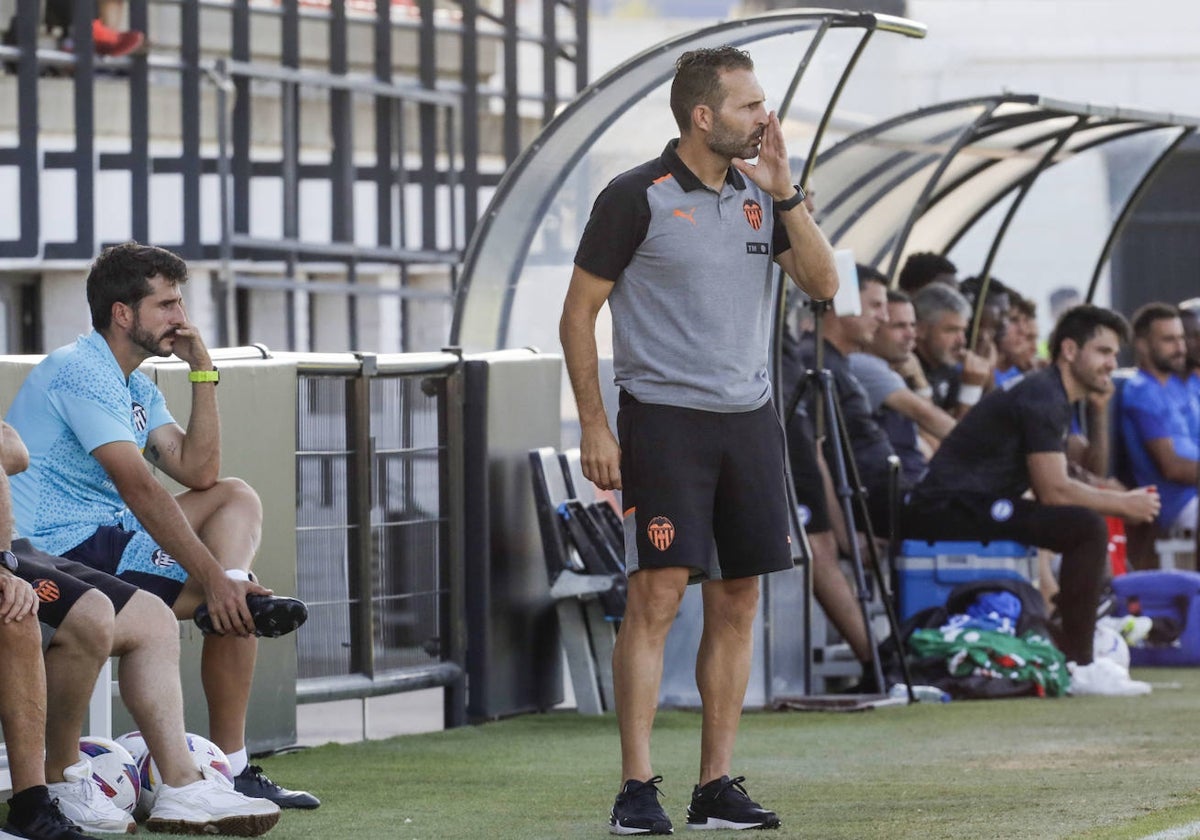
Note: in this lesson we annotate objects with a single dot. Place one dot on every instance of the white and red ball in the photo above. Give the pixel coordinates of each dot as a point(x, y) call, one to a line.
point(113, 770)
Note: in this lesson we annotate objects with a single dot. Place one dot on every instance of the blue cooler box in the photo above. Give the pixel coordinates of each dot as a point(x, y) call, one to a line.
point(1169, 593)
point(927, 571)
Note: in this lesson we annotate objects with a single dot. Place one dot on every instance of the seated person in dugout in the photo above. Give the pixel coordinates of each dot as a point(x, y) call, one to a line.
point(954, 374)
point(844, 335)
point(1014, 441)
point(814, 490)
point(90, 616)
point(891, 376)
point(1159, 416)
point(92, 421)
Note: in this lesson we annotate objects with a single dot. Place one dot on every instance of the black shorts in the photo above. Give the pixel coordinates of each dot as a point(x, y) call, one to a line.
point(811, 502)
point(704, 490)
point(59, 583)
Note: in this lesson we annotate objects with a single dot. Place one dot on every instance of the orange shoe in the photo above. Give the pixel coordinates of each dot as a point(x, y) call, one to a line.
point(110, 42)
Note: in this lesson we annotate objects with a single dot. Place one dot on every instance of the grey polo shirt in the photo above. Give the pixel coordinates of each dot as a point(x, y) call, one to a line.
point(692, 301)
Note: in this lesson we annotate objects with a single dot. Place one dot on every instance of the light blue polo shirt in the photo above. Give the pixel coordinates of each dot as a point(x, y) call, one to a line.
point(1150, 410)
point(74, 401)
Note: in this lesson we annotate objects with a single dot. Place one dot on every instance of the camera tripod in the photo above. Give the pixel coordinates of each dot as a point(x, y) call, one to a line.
point(851, 496)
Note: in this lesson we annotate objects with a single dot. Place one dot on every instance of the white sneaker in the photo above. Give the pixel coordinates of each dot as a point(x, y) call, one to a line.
point(1104, 677)
point(83, 803)
point(210, 806)
point(1133, 628)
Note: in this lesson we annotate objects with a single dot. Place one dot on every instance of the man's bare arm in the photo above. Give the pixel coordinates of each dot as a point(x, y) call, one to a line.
point(164, 520)
point(921, 411)
point(1053, 486)
point(600, 455)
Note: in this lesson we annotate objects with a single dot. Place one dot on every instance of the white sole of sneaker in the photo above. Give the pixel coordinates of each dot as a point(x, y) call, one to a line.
point(251, 825)
point(626, 830)
point(714, 824)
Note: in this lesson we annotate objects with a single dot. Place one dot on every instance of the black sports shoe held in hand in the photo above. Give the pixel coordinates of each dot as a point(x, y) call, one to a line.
point(273, 615)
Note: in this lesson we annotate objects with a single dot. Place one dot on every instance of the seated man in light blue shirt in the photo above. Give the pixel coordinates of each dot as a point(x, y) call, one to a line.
point(93, 424)
point(1159, 416)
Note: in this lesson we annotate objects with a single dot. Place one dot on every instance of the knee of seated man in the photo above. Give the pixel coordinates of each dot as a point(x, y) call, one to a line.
point(147, 616)
point(237, 492)
point(88, 626)
point(15, 634)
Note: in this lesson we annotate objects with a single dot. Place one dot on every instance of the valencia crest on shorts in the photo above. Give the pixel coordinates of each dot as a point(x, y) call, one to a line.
point(661, 532)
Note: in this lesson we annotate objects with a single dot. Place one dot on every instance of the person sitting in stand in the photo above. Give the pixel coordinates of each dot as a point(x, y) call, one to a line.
point(107, 36)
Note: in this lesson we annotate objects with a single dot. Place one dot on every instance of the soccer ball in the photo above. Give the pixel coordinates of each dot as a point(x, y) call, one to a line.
point(1107, 643)
point(113, 770)
point(135, 743)
point(204, 752)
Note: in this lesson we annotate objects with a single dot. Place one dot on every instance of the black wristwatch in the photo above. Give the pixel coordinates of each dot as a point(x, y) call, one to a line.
point(789, 203)
point(8, 560)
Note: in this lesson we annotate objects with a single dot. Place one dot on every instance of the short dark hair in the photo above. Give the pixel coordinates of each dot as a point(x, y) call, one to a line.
point(1081, 323)
point(698, 80)
point(869, 274)
point(1147, 314)
point(970, 288)
point(121, 274)
point(920, 269)
point(897, 296)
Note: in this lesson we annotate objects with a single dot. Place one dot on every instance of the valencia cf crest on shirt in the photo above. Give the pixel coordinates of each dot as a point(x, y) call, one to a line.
point(754, 213)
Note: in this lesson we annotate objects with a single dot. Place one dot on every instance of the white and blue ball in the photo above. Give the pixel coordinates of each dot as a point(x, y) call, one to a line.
point(114, 770)
point(210, 760)
point(1107, 643)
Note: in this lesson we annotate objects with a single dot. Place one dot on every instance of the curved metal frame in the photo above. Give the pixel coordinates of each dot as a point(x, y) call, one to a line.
point(986, 125)
point(1127, 210)
point(504, 233)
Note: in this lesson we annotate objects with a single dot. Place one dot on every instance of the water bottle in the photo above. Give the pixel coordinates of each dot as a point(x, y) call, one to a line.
point(922, 693)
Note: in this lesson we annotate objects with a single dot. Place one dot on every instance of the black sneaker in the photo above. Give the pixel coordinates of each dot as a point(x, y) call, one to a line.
point(723, 803)
point(637, 811)
point(46, 823)
point(273, 616)
point(254, 782)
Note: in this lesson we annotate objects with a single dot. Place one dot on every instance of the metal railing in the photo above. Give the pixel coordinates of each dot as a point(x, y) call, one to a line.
point(434, 92)
point(379, 525)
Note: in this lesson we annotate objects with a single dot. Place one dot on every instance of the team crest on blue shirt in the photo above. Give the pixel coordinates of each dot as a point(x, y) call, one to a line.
point(139, 417)
point(1002, 510)
point(161, 559)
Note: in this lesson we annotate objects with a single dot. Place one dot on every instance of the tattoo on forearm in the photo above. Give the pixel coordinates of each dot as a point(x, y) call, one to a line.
point(152, 451)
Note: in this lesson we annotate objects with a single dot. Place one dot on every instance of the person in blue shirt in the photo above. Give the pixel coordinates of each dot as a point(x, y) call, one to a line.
point(1159, 416)
point(94, 425)
point(1189, 313)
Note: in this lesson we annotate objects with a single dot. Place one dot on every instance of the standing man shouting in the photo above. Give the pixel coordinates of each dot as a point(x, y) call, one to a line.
point(91, 421)
point(679, 247)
